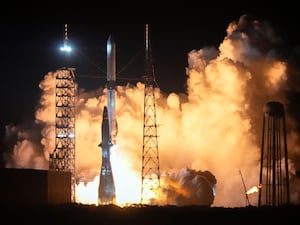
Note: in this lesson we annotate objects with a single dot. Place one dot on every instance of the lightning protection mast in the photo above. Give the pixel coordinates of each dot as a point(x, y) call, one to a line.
point(150, 155)
point(63, 156)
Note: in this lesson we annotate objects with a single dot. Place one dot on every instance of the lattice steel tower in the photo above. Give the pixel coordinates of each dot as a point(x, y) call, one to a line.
point(274, 187)
point(63, 156)
point(150, 155)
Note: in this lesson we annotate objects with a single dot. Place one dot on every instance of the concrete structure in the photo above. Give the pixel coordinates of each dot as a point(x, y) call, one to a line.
point(34, 187)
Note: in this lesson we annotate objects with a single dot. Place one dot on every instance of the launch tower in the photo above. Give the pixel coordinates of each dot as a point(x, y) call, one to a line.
point(63, 156)
point(274, 177)
point(150, 155)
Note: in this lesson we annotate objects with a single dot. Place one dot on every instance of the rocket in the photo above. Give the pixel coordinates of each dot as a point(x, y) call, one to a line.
point(111, 83)
point(106, 190)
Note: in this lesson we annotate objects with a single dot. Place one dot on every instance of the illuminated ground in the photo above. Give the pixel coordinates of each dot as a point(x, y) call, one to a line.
point(88, 215)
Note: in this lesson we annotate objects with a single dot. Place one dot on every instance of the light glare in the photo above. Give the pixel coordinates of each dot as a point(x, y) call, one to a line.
point(66, 48)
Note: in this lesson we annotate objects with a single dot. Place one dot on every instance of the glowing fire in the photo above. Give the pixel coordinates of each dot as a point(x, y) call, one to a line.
point(252, 190)
point(87, 193)
point(209, 128)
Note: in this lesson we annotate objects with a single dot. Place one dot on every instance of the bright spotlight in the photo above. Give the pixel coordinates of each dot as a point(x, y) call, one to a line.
point(66, 48)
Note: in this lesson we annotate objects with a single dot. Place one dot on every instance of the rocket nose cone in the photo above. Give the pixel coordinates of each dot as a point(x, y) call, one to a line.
point(110, 46)
point(110, 39)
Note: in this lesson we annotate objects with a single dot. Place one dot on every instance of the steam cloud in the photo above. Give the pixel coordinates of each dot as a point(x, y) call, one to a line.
point(206, 136)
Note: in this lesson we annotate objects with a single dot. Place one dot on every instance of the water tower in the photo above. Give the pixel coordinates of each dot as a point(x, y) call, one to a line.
point(274, 177)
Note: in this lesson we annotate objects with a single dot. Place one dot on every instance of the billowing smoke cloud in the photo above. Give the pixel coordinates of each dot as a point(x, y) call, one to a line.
point(206, 135)
point(25, 148)
point(190, 187)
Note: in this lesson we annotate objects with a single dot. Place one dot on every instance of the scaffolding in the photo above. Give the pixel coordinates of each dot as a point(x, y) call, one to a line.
point(150, 155)
point(274, 177)
point(63, 156)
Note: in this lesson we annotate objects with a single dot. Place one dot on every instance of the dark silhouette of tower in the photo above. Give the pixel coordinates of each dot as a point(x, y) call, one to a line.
point(274, 177)
point(150, 155)
point(106, 190)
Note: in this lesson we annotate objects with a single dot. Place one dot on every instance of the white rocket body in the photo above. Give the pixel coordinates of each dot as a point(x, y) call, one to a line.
point(111, 83)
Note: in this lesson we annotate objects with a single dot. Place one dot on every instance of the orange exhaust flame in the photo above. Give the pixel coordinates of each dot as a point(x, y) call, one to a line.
point(252, 190)
point(176, 187)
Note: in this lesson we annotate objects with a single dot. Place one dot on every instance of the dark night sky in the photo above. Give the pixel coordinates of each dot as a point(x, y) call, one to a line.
point(31, 39)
